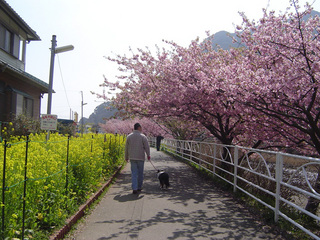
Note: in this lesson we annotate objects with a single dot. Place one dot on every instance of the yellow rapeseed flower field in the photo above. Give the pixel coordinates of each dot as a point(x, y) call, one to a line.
point(61, 174)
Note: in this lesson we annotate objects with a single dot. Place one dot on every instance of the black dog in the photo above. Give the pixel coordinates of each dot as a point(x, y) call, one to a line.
point(163, 178)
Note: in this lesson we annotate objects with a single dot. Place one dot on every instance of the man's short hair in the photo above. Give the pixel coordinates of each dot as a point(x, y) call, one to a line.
point(136, 126)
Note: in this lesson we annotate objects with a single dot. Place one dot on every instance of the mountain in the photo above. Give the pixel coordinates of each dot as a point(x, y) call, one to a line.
point(223, 39)
point(100, 114)
point(312, 14)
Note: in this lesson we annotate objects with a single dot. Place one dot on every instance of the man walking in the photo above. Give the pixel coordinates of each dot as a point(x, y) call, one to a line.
point(158, 143)
point(136, 147)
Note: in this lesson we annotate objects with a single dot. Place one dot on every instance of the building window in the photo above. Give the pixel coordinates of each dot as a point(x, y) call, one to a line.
point(24, 106)
point(9, 41)
point(28, 107)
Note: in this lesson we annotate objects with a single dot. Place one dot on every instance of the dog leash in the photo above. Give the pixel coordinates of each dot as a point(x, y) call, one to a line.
point(153, 165)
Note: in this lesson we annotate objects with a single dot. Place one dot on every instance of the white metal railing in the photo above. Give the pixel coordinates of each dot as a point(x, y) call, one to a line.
point(287, 178)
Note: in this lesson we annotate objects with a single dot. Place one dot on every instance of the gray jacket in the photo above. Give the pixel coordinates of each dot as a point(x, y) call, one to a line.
point(136, 146)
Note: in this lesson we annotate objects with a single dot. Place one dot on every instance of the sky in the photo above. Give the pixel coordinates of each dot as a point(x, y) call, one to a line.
point(100, 28)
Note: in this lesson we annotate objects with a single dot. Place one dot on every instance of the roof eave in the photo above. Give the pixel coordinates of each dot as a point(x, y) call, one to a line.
point(32, 35)
point(26, 77)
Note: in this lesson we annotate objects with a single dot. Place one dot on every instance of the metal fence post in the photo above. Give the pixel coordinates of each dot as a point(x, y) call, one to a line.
point(118, 146)
point(25, 189)
point(190, 151)
point(3, 188)
point(214, 158)
point(279, 172)
point(104, 145)
point(182, 149)
point(67, 163)
point(91, 143)
point(235, 168)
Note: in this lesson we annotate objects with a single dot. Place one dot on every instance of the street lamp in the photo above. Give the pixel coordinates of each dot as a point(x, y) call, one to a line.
point(54, 51)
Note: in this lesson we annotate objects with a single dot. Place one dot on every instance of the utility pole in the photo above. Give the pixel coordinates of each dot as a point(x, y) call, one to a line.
point(82, 113)
point(53, 53)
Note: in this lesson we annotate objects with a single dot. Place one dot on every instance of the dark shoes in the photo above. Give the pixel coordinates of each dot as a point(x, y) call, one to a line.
point(136, 191)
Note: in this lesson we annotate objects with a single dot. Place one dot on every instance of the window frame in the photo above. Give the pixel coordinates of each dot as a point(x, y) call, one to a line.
point(10, 42)
point(24, 105)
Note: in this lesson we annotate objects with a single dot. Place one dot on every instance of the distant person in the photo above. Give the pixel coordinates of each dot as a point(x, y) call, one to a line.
point(136, 147)
point(159, 138)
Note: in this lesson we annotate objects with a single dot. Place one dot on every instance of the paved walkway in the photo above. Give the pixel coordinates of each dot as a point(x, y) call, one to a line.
point(191, 209)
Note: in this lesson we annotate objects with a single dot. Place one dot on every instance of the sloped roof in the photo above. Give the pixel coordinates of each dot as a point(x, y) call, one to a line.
point(32, 35)
point(24, 76)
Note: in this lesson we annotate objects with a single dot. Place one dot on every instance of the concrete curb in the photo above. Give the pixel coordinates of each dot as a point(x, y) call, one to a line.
point(60, 234)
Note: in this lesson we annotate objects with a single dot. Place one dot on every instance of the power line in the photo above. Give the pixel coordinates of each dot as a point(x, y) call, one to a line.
point(64, 87)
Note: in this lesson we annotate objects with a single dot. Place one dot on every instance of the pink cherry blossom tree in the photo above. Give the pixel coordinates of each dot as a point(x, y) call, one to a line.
point(149, 127)
point(191, 84)
point(283, 75)
point(170, 128)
